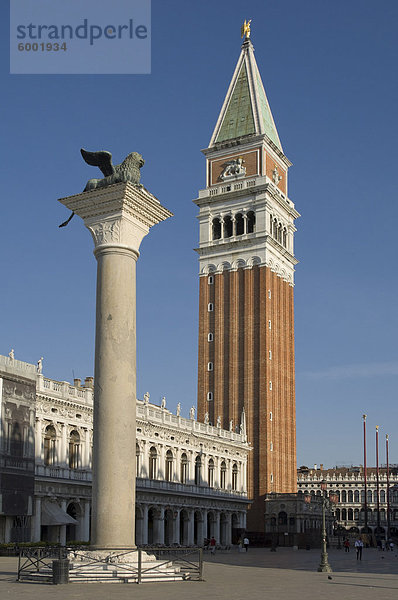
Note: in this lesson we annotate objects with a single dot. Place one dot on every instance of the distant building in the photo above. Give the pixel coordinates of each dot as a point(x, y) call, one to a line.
point(348, 484)
point(191, 476)
point(293, 520)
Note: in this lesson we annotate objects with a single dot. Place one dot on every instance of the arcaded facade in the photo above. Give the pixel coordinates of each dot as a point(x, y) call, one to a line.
point(191, 476)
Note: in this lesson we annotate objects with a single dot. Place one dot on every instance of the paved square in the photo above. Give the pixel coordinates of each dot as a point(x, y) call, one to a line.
point(259, 573)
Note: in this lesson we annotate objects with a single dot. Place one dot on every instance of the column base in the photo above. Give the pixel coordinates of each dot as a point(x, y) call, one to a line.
point(120, 566)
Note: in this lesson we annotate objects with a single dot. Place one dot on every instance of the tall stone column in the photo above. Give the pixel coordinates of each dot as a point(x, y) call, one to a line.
point(39, 441)
point(85, 523)
point(36, 534)
point(176, 523)
point(118, 217)
point(62, 528)
point(190, 527)
point(144, 539)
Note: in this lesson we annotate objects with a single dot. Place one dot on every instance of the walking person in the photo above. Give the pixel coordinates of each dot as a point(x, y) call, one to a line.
point(358, 548)
point(246, 543)
point(213, 545)
point(346, 545)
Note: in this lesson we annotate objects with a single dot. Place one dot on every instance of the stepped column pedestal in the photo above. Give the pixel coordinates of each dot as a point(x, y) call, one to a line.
point(118, 217)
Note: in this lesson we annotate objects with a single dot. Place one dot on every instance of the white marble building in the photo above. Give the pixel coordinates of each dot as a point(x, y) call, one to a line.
point(349, 485)
point(191, 476)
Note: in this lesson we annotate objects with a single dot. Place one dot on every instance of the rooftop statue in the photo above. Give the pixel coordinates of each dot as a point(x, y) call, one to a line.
point(128, 170)
point(245, 30)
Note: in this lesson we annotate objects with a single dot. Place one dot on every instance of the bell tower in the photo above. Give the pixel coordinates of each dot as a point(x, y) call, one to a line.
point(246, 270)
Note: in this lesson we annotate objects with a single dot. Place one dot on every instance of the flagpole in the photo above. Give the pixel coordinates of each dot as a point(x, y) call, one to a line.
point(377, 481)
point(388, 491)
point(365, 474)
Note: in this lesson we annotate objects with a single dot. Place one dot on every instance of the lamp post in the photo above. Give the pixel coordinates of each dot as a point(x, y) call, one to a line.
point(324, 566)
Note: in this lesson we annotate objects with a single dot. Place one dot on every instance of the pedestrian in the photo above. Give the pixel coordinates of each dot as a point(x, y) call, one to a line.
point(391, 546)
point(358, 548)
point(346, 545)
point(246, 543)
point(213, 545)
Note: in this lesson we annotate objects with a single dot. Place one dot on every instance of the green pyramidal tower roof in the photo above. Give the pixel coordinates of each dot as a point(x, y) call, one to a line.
point(245, 110)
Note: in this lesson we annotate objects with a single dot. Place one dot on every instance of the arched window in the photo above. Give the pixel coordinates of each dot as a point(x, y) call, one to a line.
point(184, 468)
point(198, 470)
point(50, 437)
point(282, 518)
point(227, 227)
point(284, 237)
point(239, 224)
point(344, 514)
point(356, 514)
point(382, 496)
point(362, 496)
point(370, 496)
point(356, 496)
point(223, 473)
point(137, 460)
point(337, 492)
point(350, 514)
point(169, 466)
point(350, 496)
point(251, 222)
point(210, 472)
point(153, 457)
point(344, 496)
point(74, 450)
point(270, 224)
point(216, 226)
point(234, 477)
point(280, 233)
point(375, 496)
point(337, 514)
point(318, 493)
point(16, 446)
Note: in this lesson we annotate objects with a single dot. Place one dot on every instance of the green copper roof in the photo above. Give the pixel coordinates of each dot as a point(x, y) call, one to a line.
point(238, 118)
point(246, 110)
point(265, 114)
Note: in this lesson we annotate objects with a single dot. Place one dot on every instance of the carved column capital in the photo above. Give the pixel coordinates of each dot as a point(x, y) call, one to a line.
point(118, 216)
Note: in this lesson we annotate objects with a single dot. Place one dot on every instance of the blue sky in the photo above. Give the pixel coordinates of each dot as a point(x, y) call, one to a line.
point(329, 69)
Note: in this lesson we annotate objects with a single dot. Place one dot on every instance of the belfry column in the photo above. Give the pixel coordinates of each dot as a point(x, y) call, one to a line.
point(118, 217)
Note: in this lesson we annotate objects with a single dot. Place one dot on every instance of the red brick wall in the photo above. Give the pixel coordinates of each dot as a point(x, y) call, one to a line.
point(243, 370)
point(270, 163)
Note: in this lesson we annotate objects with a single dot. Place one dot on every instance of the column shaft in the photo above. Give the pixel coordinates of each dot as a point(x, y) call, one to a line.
point(36, 534)
point(113, 518)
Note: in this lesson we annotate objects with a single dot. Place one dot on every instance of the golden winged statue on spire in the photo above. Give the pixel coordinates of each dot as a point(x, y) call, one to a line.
point(245, 29)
